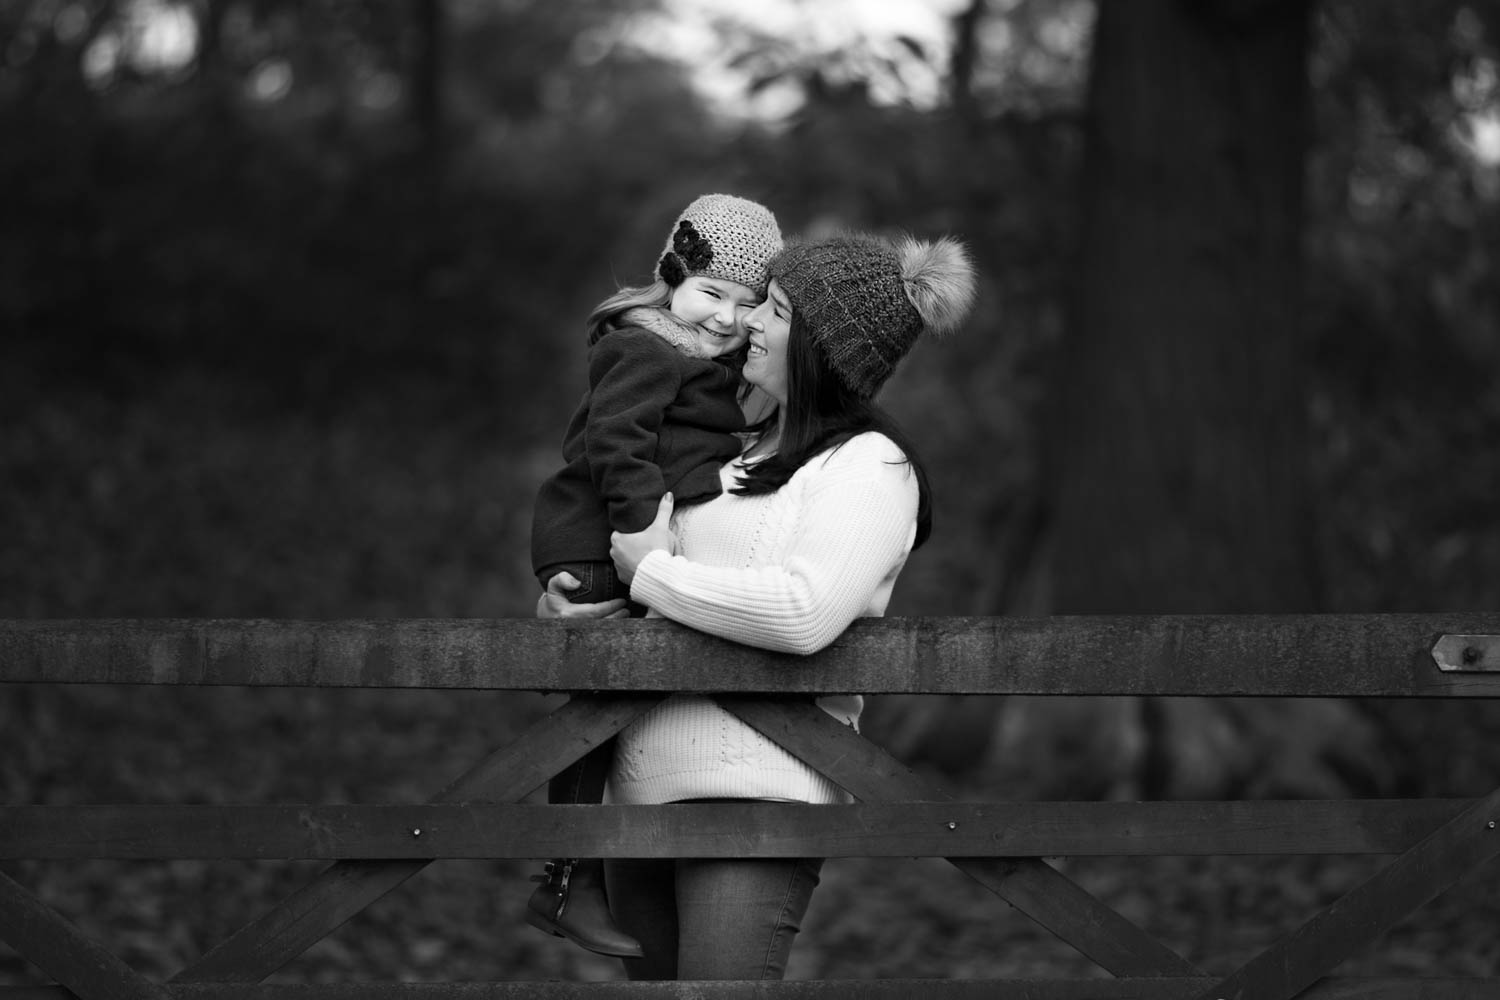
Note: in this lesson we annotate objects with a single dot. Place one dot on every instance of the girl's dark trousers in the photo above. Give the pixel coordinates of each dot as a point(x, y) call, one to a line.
point(570, 903)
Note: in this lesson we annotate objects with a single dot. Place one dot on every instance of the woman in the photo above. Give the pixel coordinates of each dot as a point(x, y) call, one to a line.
point(817, 518)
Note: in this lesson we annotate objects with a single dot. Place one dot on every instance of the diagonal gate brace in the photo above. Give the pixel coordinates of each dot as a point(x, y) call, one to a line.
point(55, 945)
point(344, 888)
point(1358, 918)
point(1029, 884)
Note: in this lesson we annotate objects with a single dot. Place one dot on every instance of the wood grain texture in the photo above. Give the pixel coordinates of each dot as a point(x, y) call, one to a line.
point(1290, 655)
point(748, 829)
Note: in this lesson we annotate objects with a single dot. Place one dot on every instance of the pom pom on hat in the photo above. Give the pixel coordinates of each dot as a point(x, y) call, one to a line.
point(864, 300)
point(939, 281)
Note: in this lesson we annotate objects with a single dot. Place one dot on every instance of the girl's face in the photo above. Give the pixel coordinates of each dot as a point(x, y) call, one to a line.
point(769, 325)
point(717, 308)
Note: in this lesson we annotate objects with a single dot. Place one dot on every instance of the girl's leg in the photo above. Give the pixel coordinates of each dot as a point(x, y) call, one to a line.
point(597, 581)
point(583, 780)
point(570, 902)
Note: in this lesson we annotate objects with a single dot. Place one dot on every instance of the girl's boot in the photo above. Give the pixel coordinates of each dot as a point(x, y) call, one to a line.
point(570, 903)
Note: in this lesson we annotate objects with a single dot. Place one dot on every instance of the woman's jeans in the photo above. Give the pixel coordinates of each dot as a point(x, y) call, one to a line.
point(711, 918)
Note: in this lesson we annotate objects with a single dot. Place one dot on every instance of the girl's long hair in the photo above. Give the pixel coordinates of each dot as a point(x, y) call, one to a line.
point(822, 413)
point(658, 294)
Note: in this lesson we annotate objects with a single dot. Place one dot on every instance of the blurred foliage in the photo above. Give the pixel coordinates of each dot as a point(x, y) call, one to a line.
point(292, 326)
point(1403, 250)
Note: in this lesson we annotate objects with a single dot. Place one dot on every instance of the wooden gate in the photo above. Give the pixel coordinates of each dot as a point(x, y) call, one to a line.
point(626, 667)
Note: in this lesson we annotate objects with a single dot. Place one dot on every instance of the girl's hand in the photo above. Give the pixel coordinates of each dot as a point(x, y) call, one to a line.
point(555, 604)
point(627, 550)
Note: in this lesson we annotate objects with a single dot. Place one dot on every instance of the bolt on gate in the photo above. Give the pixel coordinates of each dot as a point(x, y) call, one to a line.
point(621, 669)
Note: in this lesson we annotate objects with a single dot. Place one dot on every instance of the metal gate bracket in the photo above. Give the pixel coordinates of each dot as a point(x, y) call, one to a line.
point(1468, 653)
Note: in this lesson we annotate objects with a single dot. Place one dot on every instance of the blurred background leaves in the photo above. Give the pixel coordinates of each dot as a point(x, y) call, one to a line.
point(291, 299)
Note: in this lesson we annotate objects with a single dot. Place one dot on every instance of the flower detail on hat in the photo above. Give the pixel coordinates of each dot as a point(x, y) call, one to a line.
point(671, 269)
point(695, 251)
point(720, 236)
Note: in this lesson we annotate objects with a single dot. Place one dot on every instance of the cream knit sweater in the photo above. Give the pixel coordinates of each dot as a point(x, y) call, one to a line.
point(786, 571)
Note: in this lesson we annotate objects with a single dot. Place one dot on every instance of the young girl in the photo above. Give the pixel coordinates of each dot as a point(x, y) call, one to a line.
point(660, 416)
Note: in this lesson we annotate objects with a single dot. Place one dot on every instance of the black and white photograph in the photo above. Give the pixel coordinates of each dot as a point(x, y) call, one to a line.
point(783, 499)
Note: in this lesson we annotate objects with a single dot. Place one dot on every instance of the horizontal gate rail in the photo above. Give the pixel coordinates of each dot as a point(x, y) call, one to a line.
point(626, 668)
point(1266, 655)
point(750, 830)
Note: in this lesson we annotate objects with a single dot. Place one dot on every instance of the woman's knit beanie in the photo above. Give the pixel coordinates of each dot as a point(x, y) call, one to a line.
point(721, 236)
point(864, 300)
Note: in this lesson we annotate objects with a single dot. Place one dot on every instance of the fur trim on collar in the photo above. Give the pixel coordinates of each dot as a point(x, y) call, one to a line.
point(677, 332)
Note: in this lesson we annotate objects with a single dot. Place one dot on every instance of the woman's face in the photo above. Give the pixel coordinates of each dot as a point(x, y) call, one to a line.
point(769, 324)
point(717, 308)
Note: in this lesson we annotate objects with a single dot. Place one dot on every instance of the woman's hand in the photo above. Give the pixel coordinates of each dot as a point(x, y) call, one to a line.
point(627, 550)
point(555, 604)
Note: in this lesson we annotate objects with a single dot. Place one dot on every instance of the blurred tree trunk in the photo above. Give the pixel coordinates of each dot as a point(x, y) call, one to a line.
point(963, 56)
point(1178, 475)
point(216, 74)
point(427, 76)
point(1176, 448)
point(211, 37)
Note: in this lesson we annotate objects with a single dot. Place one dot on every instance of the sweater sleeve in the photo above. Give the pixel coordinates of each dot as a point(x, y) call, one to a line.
point(853, 531)
point(633, 378)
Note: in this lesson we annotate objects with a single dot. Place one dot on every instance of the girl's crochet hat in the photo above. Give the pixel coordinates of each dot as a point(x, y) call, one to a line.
point(721, 236)
point(864, 300)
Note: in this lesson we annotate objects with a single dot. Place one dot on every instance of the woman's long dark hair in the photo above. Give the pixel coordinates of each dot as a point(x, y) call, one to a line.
point(822, 413)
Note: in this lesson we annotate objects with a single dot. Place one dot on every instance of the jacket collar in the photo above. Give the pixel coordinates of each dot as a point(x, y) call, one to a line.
point(677, 332)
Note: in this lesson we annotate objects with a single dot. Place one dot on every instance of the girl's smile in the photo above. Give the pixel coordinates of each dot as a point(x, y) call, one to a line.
point(717, 308)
